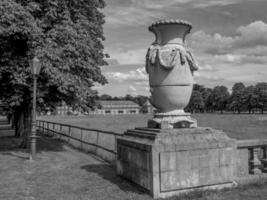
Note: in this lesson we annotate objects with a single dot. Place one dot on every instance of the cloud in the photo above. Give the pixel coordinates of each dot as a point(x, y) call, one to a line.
point(134, 75)
point(113, 62)
point(249, 44)
point(206, 67)
point(210, 3)
point(131, 12)
point(142, 12)
point(211, 44)
point(133, 56)
point(251, 35)
point(132, 90)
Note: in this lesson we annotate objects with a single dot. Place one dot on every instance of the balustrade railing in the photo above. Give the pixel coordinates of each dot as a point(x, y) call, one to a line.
point(252, 155)
point(99, 142)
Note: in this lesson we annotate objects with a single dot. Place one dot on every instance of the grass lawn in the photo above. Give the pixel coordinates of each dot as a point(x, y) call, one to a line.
point(63, 173)
point(242, 126)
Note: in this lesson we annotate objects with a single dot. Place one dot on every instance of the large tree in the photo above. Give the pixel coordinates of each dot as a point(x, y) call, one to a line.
point(196, 103)
point(66, 36)
point(220, 97)
point(237, 97)
point(250, 99)
point(205, 94)
point(261, 92)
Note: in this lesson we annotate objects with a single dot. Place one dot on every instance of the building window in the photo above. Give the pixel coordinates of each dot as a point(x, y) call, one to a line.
point(132, 111)
point(107, 111)
point(120, 112)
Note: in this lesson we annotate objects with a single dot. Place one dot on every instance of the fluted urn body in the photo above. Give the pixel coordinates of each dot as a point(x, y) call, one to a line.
point(170, 66)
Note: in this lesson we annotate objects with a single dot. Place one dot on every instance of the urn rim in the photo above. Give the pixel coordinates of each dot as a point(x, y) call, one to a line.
point(168, 22)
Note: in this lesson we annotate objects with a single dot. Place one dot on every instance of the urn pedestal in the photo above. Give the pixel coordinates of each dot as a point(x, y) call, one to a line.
point(169, 162)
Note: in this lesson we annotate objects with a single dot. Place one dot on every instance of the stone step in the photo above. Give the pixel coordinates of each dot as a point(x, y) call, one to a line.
point(4, 122)
point(142, 134)
point(5, 126)
point(154, 130)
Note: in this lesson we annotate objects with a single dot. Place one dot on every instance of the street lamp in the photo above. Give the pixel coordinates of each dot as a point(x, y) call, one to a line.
point(36, 67)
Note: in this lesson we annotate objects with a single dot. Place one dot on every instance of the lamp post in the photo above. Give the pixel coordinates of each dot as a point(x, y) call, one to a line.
point(36, 67)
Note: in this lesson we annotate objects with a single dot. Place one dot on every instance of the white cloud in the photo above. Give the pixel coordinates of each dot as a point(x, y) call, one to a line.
point(128, 57)
point(142, 12)
point(196, 73)
point(156, 4)
point(133, 75)
point(252, 35)
point(213, 44)
point(209, 3)
point(248, 45)
point(137, 12)
point(132, 90)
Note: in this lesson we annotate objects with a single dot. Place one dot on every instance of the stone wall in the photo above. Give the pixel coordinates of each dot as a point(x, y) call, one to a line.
point(168, 162)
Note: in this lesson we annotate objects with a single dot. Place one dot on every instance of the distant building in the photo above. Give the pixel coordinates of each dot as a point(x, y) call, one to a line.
point(116, 108)
point(148, 108)
point(63, 109)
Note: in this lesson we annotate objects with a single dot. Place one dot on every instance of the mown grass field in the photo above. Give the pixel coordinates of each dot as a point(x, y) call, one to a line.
point(243, 126)
point(61, 172)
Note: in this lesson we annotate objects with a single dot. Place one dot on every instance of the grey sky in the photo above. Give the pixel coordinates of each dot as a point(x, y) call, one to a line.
point(229, 40)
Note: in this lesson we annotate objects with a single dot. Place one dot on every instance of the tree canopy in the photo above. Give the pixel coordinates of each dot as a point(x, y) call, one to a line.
point(242, 99)
point(66, 36)
point(237, 97)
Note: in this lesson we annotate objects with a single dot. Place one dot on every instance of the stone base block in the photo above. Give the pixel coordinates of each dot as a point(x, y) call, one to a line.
point(174, 119)
point(168, 162)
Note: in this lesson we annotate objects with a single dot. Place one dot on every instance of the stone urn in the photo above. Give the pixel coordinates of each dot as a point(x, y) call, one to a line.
point(170, 66)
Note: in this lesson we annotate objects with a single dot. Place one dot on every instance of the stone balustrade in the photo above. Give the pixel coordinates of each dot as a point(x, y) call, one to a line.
point(99, 142)
point(252, 157)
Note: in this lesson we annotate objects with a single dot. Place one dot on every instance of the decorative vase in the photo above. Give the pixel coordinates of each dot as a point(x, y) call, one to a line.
point(170, 66)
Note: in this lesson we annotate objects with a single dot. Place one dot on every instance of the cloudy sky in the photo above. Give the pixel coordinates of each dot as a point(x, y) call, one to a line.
point(229, 40)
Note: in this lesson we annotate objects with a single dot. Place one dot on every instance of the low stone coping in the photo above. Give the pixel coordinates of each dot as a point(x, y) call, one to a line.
point(251, 143)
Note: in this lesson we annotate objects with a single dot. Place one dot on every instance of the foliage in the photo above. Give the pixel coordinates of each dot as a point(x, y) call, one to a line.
point(242, 99)
point(237, 96)
point(66, 36)
point(250, 99)
point(261, 92)
point(196, 103)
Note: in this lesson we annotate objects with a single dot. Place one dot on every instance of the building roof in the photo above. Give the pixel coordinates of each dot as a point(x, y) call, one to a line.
point(117, 103)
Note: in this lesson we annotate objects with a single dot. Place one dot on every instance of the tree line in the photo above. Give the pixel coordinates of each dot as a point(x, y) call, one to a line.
point(251, 99)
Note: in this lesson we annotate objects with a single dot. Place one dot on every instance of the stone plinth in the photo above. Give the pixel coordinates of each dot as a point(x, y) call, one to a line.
point(168, 162)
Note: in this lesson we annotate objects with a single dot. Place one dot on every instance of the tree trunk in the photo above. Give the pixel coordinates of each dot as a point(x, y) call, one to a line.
point(27, 129)
point(19, 123)
point(12, 121)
